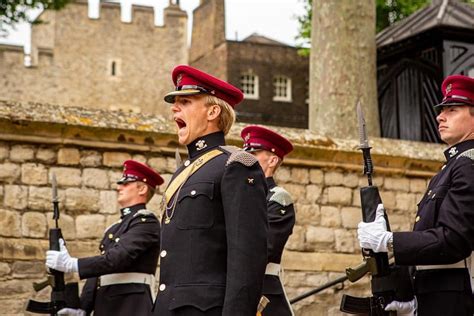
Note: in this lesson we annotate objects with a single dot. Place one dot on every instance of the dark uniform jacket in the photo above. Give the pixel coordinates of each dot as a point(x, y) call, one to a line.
point(281, 219)
point(443, 234)
point(214, 247)
point(130, 245)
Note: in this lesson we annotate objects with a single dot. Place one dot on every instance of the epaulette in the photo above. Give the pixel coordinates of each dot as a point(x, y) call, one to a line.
point(468, 153)
point(242, 157)
point(281, 196)
point(144, 212)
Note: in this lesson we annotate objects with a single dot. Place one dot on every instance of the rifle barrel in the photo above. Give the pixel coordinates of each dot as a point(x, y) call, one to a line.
point(318, 289)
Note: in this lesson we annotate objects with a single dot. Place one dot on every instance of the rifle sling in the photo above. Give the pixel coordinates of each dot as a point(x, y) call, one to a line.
point(179, 180)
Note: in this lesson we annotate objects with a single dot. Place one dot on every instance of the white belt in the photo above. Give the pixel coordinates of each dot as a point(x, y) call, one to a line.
point(457, 265)
point(273, 269)
point(129, 277)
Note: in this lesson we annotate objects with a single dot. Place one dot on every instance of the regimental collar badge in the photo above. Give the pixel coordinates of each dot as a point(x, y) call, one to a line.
point(452, 152)
point(126, 211)
point(201, 144)
point(448, 88)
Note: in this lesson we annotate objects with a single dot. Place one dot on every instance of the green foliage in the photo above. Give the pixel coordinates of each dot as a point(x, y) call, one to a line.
point(304, 34)
point(15, 11)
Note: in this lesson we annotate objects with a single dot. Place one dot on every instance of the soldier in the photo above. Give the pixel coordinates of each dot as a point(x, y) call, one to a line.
point(121, 280)
point(214, 224)
point(442, 240)
point(269, 148)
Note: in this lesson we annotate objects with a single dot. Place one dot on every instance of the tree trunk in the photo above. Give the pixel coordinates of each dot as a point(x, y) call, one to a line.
point(343, 67)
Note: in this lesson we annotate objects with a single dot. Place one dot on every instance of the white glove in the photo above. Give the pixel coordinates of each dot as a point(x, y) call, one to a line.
point(403, 308)
point(374, 235)
point(61, 260)
point(72, 312)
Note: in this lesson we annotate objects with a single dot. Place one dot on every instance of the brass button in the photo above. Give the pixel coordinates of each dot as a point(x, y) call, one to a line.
point(102, 252)
point(102, 246)
point(186, 163)
point(143, 219)
point(111, 236)
point(193, 192)
point(162, 287)
point(434, 194)
point(417, 219)
point(429, 192)
point(163, 253)
point(117, 239)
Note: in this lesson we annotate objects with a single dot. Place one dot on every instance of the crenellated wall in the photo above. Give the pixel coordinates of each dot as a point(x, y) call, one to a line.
point(86, 147)
point(99, 63)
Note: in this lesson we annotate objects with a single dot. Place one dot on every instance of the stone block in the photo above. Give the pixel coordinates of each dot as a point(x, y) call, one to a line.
point(46, 155)
point(82, 200)
point(316, 235)
point(114, 176)
point(66, 176)
point(389, 199)
point(300, 175)
point(418, 185)
point(397, 184)
point(10, 221)
point(139, 158)
point(21, 153)
point(66, 223)
point(33, 224)
point(308, 214)
point(316, 176)
point(406, 201)
point(330, 216)
point(351, 180)
point(171, 165)
point(159, 164)
point(296, 240)
point(110, 220)
point(166, 178)
point(154, 204)
point(13, 288)
point(40, 198)
point(90, 226)
point(4, 269)
point(283, 175)
point(16, 196)
point(95, 178)
point(69, 156)
point(339, 195)
point(90, 158)
point(401, 223)
point(313, 193)
point(345, 240)
point(351, 216)
point(23, 249)
point(35, 174)
point(108, 202)
point(115, 159)
point(333, 178)
point(319, 261)
point(297, 191)
point(356, 198)
point(28, 269)
point(9, 172)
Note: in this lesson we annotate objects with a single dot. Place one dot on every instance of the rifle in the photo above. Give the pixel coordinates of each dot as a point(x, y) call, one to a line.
point(383, 290)
point(62, 294)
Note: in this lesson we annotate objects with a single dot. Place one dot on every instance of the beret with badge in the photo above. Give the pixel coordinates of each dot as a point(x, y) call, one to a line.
point(457, 90)
point(191, 81)
point(135, 171)
point(260, 138)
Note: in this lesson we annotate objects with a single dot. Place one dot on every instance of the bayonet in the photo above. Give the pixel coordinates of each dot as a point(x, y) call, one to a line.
point(364, 144)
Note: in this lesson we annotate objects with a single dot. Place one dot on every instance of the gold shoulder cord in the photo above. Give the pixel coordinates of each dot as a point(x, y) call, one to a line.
point(175, 186)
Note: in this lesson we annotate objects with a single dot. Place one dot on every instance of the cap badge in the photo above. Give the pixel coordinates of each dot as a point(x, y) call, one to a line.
point(448, 88)
point(178, 79)
point(247, 137)
point(452, 152)
point(201, 144)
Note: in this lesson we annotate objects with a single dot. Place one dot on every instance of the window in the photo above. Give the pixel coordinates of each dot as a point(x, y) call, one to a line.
point(114, 70)
point(249, 85)
point(282, 89)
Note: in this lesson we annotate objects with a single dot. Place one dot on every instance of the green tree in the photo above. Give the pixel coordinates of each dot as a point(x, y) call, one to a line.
point(16, 11)
point(387, 13)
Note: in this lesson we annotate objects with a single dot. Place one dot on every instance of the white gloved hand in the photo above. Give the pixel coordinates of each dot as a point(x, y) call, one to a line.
point(374, 235)
point(61, 260)
point(403, 308)
point(72, 312)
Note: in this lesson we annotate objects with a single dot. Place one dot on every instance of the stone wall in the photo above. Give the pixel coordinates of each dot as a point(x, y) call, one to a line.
point(100, 63)
point(85, 149)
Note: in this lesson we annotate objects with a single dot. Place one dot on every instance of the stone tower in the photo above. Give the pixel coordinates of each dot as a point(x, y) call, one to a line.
point(102, 62)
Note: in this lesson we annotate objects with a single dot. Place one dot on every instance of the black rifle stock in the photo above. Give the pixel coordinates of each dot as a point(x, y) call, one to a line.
point(62, 294)
point(377, 263)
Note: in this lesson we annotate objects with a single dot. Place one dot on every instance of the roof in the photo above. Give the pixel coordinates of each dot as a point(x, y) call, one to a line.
point(260, 39)
point(449, 13)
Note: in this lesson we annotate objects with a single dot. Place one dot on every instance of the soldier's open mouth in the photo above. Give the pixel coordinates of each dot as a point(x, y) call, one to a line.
point(181, 124)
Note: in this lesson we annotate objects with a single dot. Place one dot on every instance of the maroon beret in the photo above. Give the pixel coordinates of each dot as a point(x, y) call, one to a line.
point(191, 81)
point(457, 90)
point(135, 171)
point(260, 138)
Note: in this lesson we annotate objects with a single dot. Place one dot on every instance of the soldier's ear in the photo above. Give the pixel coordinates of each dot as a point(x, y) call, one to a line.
point(213, 112)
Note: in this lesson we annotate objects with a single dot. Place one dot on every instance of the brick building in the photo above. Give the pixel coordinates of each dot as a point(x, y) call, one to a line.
point(273, 77)
point(99, 62)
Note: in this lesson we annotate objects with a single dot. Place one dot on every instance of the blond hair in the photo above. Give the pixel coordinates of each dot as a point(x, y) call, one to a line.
point(227, 115)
